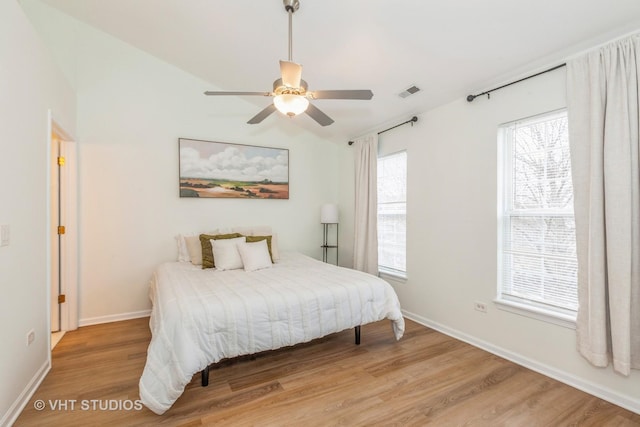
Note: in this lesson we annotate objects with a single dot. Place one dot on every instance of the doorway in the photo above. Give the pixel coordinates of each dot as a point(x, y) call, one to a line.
point(63, 233)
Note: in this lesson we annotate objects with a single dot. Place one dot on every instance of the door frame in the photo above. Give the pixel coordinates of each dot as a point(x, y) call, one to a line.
point(69, 252)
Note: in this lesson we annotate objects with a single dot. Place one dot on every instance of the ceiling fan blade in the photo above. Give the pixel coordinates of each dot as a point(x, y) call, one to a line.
point(291, 73)
point(317, 115)
point(238, 93)
point(262, 114)
point(341, 94)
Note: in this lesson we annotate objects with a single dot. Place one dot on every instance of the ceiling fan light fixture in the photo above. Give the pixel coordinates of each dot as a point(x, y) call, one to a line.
point(290, 93)
point(291, 104)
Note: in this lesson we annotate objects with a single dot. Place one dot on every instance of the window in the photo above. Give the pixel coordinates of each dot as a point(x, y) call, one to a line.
point(537, 252)
point(392, 214)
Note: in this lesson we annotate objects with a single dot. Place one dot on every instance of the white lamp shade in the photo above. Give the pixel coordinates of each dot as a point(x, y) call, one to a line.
point(291, 104)
point(329, 214)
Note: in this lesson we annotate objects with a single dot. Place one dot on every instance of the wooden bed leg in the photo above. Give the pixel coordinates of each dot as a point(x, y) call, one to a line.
point(205, 377)
point(357, 335)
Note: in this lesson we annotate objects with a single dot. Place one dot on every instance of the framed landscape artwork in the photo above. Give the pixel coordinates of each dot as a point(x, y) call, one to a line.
point(223, 170)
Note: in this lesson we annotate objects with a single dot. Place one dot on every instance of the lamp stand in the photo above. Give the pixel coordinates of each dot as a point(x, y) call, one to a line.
point(325, 243)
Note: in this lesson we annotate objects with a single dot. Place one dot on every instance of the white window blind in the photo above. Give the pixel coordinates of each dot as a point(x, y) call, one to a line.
point(392, 213)
point(538, 251)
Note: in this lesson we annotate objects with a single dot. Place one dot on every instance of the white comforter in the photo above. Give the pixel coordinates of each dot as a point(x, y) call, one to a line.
point(202, 316)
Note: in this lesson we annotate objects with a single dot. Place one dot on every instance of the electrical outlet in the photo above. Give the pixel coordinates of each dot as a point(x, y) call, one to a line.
point(31, 336)
point(4, 235)
point(480, 306)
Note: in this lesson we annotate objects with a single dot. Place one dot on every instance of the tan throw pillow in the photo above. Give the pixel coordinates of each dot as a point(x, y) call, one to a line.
point(252, 239)
point(194, 247)
point(207, 252)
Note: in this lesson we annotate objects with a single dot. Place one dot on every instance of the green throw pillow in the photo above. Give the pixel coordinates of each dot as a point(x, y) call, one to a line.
point(207, 251)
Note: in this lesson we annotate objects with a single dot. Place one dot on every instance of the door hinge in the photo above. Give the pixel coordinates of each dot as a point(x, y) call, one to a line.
point(61, 298)
point(61, 229)
point(60, 161)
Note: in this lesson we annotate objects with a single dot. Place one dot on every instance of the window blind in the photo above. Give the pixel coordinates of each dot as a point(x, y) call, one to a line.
point(392, 213)
point(538, 253)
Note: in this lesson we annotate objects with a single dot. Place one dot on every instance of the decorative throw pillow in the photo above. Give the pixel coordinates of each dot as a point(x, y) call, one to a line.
point(226, 254)
point(255, 256)
point(274, 247)
point(184, 255)
point(194, 248)
point(252, 239)
point(207, 253)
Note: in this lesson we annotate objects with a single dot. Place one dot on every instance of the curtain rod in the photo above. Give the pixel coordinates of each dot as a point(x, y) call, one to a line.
point(488, 92)
point(411, 120)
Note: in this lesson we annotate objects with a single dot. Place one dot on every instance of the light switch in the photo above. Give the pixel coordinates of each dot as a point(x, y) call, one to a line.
point(4, 235)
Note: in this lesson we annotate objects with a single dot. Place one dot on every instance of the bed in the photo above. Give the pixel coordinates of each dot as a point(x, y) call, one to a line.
point(201, 316)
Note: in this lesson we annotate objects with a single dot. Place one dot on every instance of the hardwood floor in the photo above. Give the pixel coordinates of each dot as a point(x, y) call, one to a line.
point(425, 378)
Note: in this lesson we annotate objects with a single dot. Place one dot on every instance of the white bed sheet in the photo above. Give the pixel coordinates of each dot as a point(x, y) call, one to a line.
point(200, 316)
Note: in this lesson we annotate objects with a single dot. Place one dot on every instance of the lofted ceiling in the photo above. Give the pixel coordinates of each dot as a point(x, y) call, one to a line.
point(446, 48)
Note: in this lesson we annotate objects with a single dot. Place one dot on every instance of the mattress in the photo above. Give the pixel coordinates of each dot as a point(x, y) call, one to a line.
point(201, 316)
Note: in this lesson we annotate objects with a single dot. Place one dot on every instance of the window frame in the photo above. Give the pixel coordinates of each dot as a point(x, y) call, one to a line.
point(394, 274)
point(509, 303)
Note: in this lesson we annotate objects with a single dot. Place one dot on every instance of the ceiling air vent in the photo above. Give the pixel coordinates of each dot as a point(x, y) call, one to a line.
point(410, 91)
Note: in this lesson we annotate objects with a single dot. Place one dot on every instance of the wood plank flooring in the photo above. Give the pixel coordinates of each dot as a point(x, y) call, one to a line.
point(425, 378)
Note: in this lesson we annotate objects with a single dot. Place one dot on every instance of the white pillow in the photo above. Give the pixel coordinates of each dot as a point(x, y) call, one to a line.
point(225, 253)
point(255, 255)
point(183, 252)
point(260, 230)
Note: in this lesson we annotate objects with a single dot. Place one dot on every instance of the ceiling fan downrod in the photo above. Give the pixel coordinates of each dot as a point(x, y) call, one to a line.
point(291, 6)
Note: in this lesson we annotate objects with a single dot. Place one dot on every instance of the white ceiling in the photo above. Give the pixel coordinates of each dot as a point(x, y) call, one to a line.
point(448, 48)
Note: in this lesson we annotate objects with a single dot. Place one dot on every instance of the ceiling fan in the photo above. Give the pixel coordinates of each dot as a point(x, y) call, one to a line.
point(290, 93)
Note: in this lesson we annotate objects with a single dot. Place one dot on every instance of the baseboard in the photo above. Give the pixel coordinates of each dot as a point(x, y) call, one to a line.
point(16, 408)
point(114, 318)
point(594, 389)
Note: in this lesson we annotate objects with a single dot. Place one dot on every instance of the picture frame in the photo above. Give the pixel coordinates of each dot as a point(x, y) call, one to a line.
point(213, 169)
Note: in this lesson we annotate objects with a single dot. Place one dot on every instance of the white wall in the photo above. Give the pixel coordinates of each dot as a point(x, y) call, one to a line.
point(346, 203)
point(132, 108)
point(30, 85)
point(452, 234)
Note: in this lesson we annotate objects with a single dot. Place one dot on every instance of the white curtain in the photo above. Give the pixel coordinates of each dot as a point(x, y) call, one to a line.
point(365, 247)
point(602, 98)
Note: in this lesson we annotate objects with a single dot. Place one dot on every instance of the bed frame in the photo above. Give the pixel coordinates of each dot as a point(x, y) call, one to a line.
point(205, 372)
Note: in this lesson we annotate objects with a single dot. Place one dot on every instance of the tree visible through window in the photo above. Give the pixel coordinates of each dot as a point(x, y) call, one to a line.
point(392, 214)
point(538, 252)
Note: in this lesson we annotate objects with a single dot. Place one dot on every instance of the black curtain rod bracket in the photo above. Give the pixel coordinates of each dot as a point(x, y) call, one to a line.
point(470, 98)
point(412, 120)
